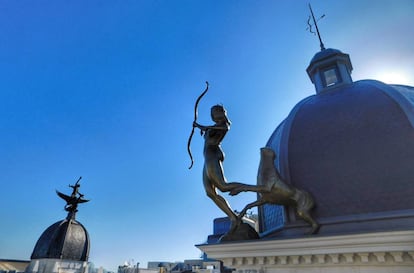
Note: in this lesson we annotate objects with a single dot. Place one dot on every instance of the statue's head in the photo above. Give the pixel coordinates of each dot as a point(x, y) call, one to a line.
point(218, 113)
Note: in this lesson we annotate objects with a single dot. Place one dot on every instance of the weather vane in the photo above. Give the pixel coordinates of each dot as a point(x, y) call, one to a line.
point(316, 26)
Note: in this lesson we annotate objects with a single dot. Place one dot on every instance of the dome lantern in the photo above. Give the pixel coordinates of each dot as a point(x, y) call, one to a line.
point(329, 68)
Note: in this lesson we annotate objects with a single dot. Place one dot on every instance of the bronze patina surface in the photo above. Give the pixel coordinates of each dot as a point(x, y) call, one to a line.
point(72, 200)
point(213, 173)
point(273, 190)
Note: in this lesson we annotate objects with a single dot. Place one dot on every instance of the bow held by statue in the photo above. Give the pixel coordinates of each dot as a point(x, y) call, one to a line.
point(195, 125)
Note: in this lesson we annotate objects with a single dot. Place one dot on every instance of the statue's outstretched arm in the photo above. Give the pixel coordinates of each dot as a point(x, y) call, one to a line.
point(201, 127)
point(205, 128)
point(253, 188)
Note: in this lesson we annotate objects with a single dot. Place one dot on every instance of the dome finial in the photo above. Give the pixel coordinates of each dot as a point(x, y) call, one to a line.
point(316, 26)
point(73, 200)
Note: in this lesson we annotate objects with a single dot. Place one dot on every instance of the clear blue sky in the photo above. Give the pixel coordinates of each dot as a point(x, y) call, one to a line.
point(106, 90)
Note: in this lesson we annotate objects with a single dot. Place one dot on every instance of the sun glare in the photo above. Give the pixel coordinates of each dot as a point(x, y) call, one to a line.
point(394, 77)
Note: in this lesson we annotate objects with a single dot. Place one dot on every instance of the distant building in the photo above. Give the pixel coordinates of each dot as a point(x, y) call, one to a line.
point(128, 269)
point(187, 266)
point(134, 268)
point(13, 266)
point(92, 269)
point(157, 265)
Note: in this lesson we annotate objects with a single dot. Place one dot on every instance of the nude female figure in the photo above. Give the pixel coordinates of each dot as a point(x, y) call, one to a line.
point(213, 175)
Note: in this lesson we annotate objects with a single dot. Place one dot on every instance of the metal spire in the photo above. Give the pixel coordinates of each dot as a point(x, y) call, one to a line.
point(316, 26)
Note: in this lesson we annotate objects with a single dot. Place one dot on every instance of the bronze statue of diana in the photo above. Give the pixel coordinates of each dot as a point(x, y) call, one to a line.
point(213, 174)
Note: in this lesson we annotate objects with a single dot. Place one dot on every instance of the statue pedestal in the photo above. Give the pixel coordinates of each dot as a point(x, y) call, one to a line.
point(380, 252)
point(241, 233)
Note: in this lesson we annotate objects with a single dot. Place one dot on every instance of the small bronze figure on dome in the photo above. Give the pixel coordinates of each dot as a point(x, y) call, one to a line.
point(73, 200)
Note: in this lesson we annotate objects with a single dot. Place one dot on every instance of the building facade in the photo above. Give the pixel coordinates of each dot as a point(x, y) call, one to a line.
point(351, 147)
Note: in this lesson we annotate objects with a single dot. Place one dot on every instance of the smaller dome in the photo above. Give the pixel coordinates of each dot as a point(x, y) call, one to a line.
point(67, 239)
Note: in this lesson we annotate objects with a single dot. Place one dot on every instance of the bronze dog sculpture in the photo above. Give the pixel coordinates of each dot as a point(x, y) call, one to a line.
point(273, 190)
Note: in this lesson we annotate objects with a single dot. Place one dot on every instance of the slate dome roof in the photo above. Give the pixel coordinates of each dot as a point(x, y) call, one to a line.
point(67, 239)
point(352, 148)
